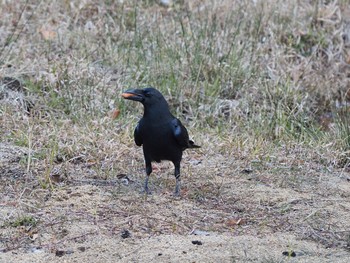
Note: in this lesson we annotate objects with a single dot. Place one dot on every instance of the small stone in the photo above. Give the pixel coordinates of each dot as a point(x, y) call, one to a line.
point(59, 253)
point(247, 171)
point(125, 233)
point(289, 254)
point(82, 249)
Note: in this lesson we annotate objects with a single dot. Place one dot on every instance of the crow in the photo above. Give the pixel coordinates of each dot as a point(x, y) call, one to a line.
point(162, 136)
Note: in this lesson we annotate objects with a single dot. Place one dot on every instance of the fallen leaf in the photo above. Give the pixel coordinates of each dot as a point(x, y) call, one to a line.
point(115, 114)
point(47, 34)
point(234, 222)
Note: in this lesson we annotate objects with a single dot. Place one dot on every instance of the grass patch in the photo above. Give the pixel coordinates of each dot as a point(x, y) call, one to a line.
point(343, 135)
point(257, 76)
point(27, 221)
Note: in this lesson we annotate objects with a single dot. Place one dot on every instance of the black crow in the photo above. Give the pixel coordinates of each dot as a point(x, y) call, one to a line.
point(162, 136)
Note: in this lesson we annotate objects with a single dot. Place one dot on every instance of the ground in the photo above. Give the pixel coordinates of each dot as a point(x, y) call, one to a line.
point(239, 212)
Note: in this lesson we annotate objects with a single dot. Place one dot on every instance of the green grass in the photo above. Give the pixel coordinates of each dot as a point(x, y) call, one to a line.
point(24, 221)
point(343, 135)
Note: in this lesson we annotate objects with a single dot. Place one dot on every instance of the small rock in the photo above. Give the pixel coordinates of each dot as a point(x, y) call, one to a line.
point(289, 254)
point(125, 233)
point(89, 26)
point(59, 253)
point(197, 242)
point(247, 171)
point(195, 162)
point(82, 249)
point(69, 251)
point(36, 250)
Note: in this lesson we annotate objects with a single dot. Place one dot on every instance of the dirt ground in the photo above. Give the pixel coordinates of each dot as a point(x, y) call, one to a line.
point(284, 210)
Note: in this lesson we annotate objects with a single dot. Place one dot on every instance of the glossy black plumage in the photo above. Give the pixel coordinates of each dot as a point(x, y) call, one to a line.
point(162, 136)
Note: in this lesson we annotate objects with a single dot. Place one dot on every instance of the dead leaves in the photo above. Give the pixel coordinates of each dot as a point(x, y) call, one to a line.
point(47, 33)
point(234, 222)
point(115, 114)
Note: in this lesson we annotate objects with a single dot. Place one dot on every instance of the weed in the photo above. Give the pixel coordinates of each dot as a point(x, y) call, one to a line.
point(343, 135)
point(28, 221)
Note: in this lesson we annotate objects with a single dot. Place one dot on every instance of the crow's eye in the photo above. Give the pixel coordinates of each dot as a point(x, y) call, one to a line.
point(147, 93)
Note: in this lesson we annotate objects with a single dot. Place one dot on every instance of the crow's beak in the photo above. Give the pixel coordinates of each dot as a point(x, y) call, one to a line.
point(133, 94)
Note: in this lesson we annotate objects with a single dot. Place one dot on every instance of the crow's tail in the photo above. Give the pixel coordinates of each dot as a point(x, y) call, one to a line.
point(192, 145)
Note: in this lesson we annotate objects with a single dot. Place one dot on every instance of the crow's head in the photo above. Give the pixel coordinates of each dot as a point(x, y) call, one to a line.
point(147, 96)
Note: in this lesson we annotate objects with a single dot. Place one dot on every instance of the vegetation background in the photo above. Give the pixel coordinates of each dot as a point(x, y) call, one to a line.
point(263, 87)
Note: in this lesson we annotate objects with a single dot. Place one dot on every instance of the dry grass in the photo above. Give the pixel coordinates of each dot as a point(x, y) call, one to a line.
point(263, 86)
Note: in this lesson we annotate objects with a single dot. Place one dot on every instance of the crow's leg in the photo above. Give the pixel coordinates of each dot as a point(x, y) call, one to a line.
point(178, 179)
point(148, 172)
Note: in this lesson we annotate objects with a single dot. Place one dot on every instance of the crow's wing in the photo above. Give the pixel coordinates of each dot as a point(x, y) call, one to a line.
point(137, 135)
point(180, 133)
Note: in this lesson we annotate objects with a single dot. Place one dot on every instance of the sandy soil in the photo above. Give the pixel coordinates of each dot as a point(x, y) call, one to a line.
point(227, 214)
